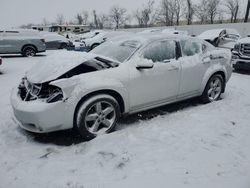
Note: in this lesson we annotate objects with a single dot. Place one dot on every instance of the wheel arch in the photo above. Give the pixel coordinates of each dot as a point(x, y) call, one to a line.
point(29, 45)
point(222, 74)
point(110, 92)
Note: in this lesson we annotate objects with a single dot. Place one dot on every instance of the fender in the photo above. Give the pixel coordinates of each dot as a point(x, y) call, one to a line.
point(211, 71)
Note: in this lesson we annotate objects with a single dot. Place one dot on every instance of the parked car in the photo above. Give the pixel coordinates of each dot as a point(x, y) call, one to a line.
point(79, 46)
point(90, 34)
point(55, 41)
point(95, 41)
point(90, 91)
point(223, 38)
point(241, 54)
point(22, 42)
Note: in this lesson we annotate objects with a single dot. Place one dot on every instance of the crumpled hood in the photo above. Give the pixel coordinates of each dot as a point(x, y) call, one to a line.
point(53, 66)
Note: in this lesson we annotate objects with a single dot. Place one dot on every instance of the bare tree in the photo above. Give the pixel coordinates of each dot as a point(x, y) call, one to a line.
point(177, 6)
point(189, 13)
point(104, 21)
point(138, 17)
point(145, 16)
point(146, 12)
point(247, 11)
point(212, 9)
point(85, 17)
point(60, 19)
point(79, 19)
point(95, 19)
point(45, 22)
point(233, 9)
point(201, 11)
point(82, 18)
point(118, 16)
point(167, 12)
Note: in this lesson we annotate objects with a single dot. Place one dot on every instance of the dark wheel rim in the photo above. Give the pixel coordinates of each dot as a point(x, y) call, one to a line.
point(100, 117)
point(215, 88)
point(29, 52)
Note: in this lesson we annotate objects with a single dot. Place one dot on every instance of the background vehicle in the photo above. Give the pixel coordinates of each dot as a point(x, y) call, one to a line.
point(241, 54)
point(1, 61)
point(92, 90)
point(27, 43)
point(223, 38)
point(55, 41)
point(96, 40)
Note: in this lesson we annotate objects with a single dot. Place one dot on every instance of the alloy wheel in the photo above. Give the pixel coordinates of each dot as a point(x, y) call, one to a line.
point(215, 89)
point(100, 117)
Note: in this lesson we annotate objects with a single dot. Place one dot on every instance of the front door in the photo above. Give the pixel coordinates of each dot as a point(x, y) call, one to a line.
point(155, 86)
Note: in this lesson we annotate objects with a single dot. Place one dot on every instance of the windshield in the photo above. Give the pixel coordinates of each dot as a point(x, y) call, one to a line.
point(119, 51)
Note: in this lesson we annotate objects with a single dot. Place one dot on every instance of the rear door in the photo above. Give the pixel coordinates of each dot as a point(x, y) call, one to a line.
point(195, 62)
point(13, 41)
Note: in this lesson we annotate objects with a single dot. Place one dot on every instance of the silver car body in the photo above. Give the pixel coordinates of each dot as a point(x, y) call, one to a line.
point(14, 41)
point(137, 89)
point(223, 38)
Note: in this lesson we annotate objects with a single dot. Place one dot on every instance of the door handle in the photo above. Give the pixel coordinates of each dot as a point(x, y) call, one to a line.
point(172, 68)
point(206, 60)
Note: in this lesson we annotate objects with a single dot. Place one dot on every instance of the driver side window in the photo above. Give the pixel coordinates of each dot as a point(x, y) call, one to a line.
point(160, 51)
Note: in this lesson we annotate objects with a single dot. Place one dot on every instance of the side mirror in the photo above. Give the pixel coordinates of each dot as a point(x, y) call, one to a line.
point(144, 65)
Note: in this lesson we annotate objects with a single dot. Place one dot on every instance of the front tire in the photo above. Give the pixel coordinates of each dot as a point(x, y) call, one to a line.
point(97, 115)
point(213, 89)
point(28, 51)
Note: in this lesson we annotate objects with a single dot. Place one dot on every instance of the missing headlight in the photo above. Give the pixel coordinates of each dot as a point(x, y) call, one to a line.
point(55, 97)
point(29, 91)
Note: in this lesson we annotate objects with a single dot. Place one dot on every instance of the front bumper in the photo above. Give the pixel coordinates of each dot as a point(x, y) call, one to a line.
point(40, 117)
point(240, 62)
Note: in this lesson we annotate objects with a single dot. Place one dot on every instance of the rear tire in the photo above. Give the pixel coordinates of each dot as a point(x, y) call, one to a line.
point(28, 51)
point(97, 115)
point(213, 89)
point(63, 46)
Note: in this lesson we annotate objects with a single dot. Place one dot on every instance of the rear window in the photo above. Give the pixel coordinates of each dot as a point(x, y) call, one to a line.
point(190, 47)
point(160, 51)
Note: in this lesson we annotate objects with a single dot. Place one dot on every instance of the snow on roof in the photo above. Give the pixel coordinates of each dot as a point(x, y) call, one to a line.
point(210, 34)
point(50, 36)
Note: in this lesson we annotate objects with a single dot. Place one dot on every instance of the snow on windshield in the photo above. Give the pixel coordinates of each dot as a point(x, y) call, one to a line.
point(119, 51)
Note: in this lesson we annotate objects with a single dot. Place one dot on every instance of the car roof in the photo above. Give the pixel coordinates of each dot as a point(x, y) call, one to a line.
point(150, 37)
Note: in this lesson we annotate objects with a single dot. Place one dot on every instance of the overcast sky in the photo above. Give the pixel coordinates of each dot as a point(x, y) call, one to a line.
point(14, 13)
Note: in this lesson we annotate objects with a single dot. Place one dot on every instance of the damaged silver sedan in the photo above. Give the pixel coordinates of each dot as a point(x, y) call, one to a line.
point(91, 91)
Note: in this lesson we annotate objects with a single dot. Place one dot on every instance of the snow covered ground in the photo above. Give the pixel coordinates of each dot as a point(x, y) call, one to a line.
point(184, 145)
